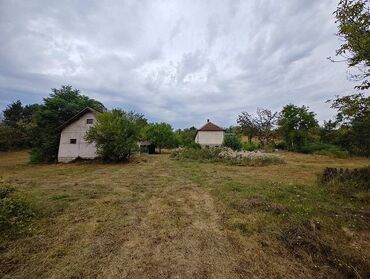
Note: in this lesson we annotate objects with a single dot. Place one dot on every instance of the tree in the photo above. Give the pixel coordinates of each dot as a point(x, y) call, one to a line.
point(353, 19)
point(247, 125)
point(140, 121)
point(13, 113)
point(232, 141)
point(61, 105)
point(265, 122)
point(161, 134)
point(261, 125)
point(351, 129)
point(186, 137)
point(115, 134)
point(295, 124)
point(17, 125)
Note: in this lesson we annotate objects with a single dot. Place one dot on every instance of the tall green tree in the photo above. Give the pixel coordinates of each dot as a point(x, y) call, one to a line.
point(352, 124)
point(13, 113)
point(162, 135)
point(17, 125)
point(115, 134)
point(353, 20)
point(61, 105)
point(295, 124)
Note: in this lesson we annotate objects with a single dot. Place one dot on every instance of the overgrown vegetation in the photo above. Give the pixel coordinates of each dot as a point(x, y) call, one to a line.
point(324, 149)
point(349, 181)
point(227, 156)
point(61, 105)
point(232, 141)
point(15, 129)
point(16, 214)
point(161, 134)
point(116, 134)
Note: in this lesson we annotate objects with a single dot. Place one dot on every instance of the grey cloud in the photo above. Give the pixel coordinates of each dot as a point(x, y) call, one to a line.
point(176, 61)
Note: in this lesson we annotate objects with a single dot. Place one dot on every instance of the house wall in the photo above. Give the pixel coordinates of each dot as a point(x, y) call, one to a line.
point(76, 130)
point(210, 138)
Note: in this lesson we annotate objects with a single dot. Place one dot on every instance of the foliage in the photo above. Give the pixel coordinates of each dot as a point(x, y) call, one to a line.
point(186, 137)
point(15, 130)
point(353, 19)
point(250, 146)
point(226, 155)
point(261, 125)
point(232, 141)
point(324, 149)
point(351, 129)
point(346, 180)
point(140, 122)
point(115, 134)
point(61, 105)
point(295, 126)
point(247, 125)
point(16, 213)
point(161, 134)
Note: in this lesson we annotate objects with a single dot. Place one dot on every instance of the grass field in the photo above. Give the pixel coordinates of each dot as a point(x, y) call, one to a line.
point(162, 218)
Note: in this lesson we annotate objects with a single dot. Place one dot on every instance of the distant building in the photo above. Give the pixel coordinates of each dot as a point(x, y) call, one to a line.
point(72, 142)
point(210, 135)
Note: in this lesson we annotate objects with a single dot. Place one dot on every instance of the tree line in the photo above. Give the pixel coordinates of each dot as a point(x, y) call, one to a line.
point(116, 132)
point(296, 128)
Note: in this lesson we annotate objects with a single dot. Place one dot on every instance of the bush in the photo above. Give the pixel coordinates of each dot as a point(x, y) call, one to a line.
point(280, 145)
point(226, 155)
point(233, 142)
point(324, 149)
point(15, 214)
point(346, 181)
point(115, 134)
point(250, 146)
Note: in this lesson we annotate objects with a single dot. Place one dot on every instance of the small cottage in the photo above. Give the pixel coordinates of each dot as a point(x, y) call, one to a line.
point(210, 135)
point(72, 142)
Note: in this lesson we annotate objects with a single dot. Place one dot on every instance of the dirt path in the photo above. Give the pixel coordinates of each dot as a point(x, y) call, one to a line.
point(179, 236)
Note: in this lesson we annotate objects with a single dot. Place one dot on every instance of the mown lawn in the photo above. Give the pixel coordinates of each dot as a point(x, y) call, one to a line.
point(162, 218)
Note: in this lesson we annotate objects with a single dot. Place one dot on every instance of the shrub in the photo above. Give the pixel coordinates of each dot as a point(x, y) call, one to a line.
point(250, 146)
point(324, 149)
point(280, 145)
point(345, 180)
point(226, 155)
point(233, 142)
point(15, 213)
point(115, 135)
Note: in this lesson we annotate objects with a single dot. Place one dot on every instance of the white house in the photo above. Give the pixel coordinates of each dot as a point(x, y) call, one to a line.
point(72, 142)
point(210, 135)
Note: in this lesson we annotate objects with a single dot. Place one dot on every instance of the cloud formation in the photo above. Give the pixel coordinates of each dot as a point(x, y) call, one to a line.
point(175, 61)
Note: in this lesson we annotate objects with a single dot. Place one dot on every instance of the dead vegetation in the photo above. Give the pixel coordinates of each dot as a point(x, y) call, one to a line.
point(160, 218)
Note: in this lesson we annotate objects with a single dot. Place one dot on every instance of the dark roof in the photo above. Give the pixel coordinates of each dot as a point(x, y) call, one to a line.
point(209, 126)
point(76, 117)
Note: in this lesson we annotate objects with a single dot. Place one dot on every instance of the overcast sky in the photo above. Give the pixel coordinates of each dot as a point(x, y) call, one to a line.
point(175, 61)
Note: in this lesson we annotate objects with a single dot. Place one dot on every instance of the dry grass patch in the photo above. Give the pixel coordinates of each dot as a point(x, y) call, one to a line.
point(158, 218)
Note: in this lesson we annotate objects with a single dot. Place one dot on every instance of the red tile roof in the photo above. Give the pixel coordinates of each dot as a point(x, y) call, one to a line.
point(209, 126)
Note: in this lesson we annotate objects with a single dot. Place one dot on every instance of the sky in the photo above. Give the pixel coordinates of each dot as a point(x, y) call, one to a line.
point(181, 62)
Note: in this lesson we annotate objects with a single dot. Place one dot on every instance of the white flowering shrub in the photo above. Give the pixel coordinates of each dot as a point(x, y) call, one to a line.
point(227, 155)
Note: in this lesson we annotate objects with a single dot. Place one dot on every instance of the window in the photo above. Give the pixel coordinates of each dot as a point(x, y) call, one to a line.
point(89, 121)
point(72, 141)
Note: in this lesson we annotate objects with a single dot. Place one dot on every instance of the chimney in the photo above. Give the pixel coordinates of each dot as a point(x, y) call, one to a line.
point(207, 120)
